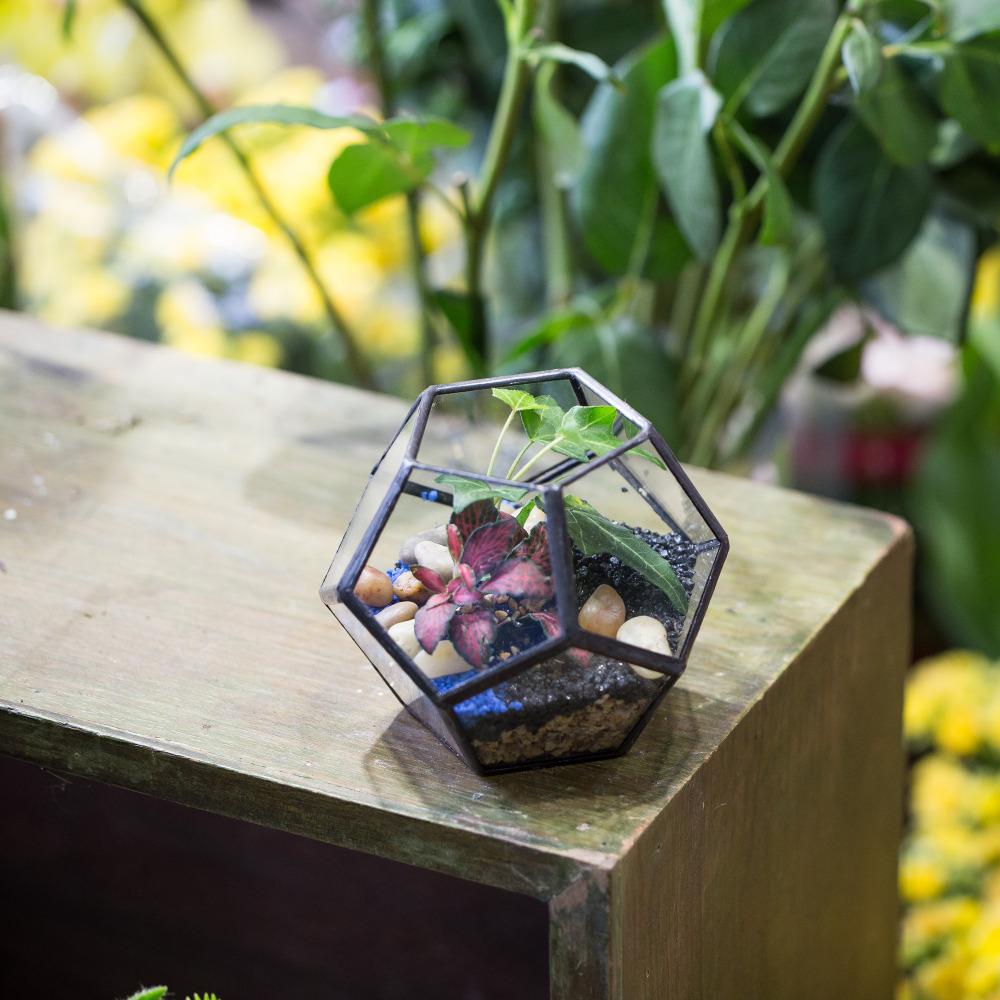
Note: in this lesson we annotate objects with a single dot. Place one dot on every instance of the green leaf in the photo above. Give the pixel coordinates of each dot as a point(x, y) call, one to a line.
point(550, 329)
point(420, 135)
point(366, 172)
point(898, 117)
point(559, 129)
point(927, 290)
point(594, 534)
point(969, 88)
point(967, 18)
point(465, 490)
point(685, 20)
point(716, 12)
point(519, 400)
point(591, 64)
point(779, 211)
point(542, 425)
point(150, 993)
point(763, 57)
point(869, 207)
point(274, 114)
point(587, 429)
point(862, 57)
point(612, 198)
point(525, 511)
point(685, 112)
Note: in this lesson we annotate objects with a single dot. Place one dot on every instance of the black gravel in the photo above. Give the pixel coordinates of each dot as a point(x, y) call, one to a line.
point(640, 596)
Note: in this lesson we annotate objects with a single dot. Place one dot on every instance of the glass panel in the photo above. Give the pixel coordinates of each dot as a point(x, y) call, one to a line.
point(639, 577)
point(571, 705)
point(373, 494)
point(456, 617)
point(464, 429)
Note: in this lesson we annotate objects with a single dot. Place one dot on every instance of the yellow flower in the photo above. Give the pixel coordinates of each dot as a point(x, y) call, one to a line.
point(349, 265)
point(257, 348)
point(86, 298)
point(921, 878)
point(957, 731)
point(141, 127)
point(926, 926)
point(281, 290)
point(391, 330)
point(943, 978)
point(986, 290)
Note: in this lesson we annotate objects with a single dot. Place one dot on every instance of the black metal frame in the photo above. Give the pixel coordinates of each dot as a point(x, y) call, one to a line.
point(562, 566)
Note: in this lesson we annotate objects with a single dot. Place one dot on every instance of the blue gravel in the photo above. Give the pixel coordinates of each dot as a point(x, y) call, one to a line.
point(485, 704)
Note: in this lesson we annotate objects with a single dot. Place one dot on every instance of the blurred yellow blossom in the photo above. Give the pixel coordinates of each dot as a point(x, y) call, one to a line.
point(93, 297)
point(141, 127)
point(257, 348)
point(986, 290)
point(189, 319)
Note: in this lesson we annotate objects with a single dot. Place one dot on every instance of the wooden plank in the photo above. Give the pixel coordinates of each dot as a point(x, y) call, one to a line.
point(160, 626)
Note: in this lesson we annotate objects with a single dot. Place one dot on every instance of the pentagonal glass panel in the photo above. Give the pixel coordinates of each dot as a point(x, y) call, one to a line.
point(574, 704)
point(458, 586)
point(374, 494)
point(527, 431)
point(640, 550)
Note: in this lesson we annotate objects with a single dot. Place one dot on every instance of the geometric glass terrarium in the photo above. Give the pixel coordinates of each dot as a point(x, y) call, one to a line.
point(527, 569)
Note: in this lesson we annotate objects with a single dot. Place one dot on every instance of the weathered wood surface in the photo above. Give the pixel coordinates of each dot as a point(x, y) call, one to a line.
point(166, 523)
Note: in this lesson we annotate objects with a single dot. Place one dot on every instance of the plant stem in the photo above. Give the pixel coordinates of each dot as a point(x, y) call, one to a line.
point(516, 76)
point(743, 215)
point(520, 455)
point(534, 458)
point(356, 361)
point(496, 447)
point(372, 16)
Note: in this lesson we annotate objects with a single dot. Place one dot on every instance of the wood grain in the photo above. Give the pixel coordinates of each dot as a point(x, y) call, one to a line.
point(160, 629)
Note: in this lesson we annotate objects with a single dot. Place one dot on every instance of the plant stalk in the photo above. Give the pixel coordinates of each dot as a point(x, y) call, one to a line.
point(356, 361)
point(744, 215)
point(372, 16)
point(516, 77)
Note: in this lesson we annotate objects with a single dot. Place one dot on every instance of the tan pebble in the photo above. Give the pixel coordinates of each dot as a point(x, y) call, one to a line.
point(436, 557)
point(444, 660)
point(373, 587)
point(603, 612)
point(403, 635)
point(647, 633)
point(401, 611)
point(439, 534)
point(408, 588)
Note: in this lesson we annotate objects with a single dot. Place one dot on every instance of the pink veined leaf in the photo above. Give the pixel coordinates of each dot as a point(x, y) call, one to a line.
point(549, 621)
point(521, 579)
point(536, 548)
point(473, 633)
point(429, 579)
point(454, 542)
point(430, 624)
point(463, 587)
point(489, 545)
point(519, 534)
point(474, 516)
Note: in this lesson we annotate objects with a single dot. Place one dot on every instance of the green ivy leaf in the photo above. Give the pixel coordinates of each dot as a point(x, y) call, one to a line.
point(763, 56)
point(594, 534)
point(869, 207)
point(519, 400)
point(586, 429)
point(465, 491)
point(685, 112)
point(149, 993)
point(542, 425)
point(969, 88)
point(525, 511)
point(862, 57)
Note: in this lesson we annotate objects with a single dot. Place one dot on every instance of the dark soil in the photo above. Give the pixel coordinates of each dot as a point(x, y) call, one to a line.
point(640, 596)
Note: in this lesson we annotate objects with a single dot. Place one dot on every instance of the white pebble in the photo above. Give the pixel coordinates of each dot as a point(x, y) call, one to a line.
point(401, 611)
point(439, 534)
point(10, 514)
point(444, 660)
point(647, 633)
point(402, 635)
point(436, 557)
